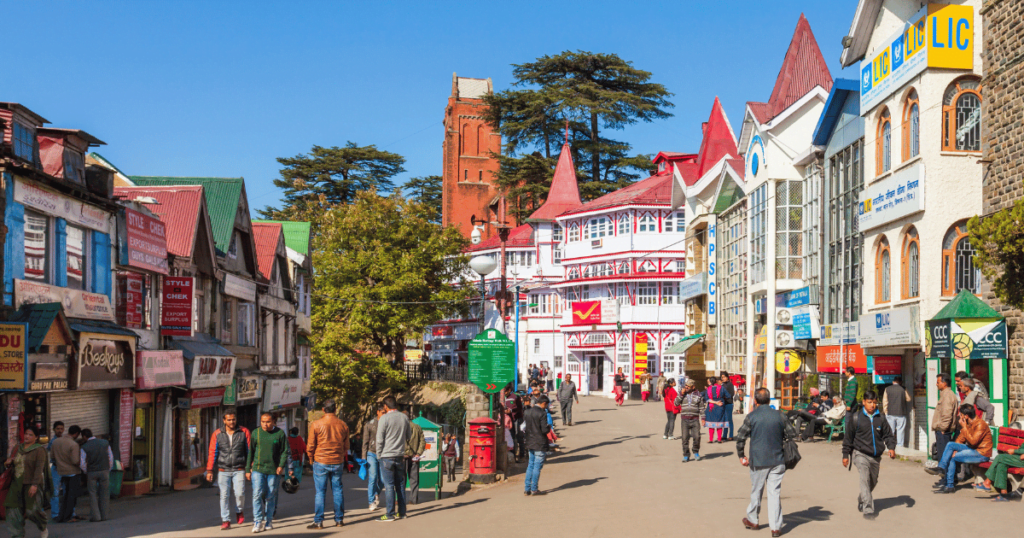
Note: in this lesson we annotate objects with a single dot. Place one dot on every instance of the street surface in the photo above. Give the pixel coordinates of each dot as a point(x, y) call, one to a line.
point(616, 477)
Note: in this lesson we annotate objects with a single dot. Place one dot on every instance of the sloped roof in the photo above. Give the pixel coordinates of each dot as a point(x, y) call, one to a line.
point(178, 207)
point(520, 236)
point(39, 318)
point(654, 190)
point(718, 142)
point(296, 234)
point(966, 305)
point(802, 70)
point(842, 90)
point(565, 192)
point(267, 236)
point(223, 196)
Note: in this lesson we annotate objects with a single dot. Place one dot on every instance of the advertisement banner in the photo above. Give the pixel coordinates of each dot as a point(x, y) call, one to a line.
point(130, 299)
point(77, 303)
point(146, 241)
point(586, 312)
point(885, 368)
point(127, 435)
point(58, 205)
point(210, 372)
point(896, 327)
point(893, 198)
point(13, 357)
point(105, 361)
point(640, 346)
point(967, 339)
point(788, 361)
point(835, 359)
point(239, 287)
point(836, 334)
point(155, 369)
point(176, 306)
point(248, 388)
point(198, 399)
point(693, 286)
point(282, 393)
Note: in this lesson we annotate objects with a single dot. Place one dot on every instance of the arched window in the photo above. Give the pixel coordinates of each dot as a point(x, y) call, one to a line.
point(883, 143)
point(910, 286)
point(883, 272)
point(961, 116)
point(911, 126)
point(958, 270)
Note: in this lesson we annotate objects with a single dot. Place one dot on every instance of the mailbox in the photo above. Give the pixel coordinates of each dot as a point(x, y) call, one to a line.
point(482, 436)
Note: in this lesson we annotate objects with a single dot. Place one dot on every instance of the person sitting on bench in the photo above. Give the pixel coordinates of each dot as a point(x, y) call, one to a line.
point(833, 416)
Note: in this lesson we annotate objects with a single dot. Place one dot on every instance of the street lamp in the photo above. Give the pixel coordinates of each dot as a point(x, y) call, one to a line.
point(483, 266)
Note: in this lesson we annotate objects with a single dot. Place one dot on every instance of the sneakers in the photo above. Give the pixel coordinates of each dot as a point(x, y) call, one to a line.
point(240, 517)
point(386, 519)
point(225, 526)
point(268, 527)
point(374, 506)
point(671, 438)
point(664, 437)
point(696, 456)
point(535, 493)
point(526, 493)
point(686, 459)
point(258, 527)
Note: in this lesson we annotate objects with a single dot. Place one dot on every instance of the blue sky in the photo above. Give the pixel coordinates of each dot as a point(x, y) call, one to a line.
point(195, 88)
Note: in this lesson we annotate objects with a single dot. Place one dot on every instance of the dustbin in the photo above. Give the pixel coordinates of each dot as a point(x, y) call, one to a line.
point(116, 477)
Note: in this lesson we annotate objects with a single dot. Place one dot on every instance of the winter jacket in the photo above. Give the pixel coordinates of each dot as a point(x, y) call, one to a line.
point(268, 451)
point(868, 434)
point(328, 440)
point(670, 400)
point(981, 403)
point(728, 392)
point(850, 394)
point(690, 404)
point(297, 447)
point(228, 453)
point(942, 418)
point(978, 436)
point(67, 454)
point(767, 430)
point(370, 437)
point(537, 428)
point(416, 443)
point(567, 392)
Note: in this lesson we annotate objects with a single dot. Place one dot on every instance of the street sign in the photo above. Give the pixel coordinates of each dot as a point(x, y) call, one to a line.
point(492, 361)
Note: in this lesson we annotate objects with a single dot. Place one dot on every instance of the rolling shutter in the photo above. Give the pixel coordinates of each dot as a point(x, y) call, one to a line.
point(88, 409)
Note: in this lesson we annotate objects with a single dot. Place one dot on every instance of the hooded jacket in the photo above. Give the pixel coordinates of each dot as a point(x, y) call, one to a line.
point(869, 434)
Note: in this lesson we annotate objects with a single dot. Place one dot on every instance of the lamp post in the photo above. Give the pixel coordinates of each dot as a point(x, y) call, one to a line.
point(483, 266)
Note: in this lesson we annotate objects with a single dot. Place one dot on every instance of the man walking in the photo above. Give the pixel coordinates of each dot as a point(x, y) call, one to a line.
point(229, 450)
point(96, 459)
point(393, 431)
point(267, 461)
point(768, 431)
point(67, 454)
point(850, 394)
point(867, 437)
point(537, 428)
point(451, 455)
point(896, 406)
point(327, 449)
point(58, 430)
point(414, 449)
point(691, 407)
point(943, 416)
point(566, 395)
point(372, 462)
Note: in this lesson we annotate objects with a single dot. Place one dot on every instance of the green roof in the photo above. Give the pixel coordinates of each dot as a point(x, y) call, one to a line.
point(681, 346)
point(296, 234)
point(39, 318)
point(222, 200)
point(966, 305)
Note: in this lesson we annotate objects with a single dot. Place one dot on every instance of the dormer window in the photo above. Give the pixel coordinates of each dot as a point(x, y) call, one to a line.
point(661, 167)
point(24, 141)
point(233, 247)
point(74, 166)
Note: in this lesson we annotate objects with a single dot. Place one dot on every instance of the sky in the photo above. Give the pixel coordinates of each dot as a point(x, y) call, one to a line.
point(221, 89)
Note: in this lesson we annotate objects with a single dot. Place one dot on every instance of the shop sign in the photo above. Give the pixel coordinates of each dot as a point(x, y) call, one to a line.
point(693, 286)
point(835, 359)
point(885, 368)
point(146, 242)
point(49, 377)
point(805, 323)
point(77, 303)
point(176, 306)
point(967, 338)
point(788, 361)
point(130, 300)
point(126, 435)
point(442, 331)
point(712, 285)
point(836, 334)
point(248, 388)
point(58, 205)
point(413, 355)
point(640, 346)
point(230, 395)
point(761, 341)
point(198, 399)
point(155, 369)
point(695, 358)
point(892, 198)
point(239, 287)
point(594, 312)
point(209, 372)
point(13, 415)
point(896, 327)
point(105, 361)
point(282, 393)
point(13, 357)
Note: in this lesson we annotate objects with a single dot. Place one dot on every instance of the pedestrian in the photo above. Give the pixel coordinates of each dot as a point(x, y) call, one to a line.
point(327, 449)
point(58, 430)
point(943, 418)
point(645, 391)
point(29, 491)
point(691, 408)
point(972, 446)
point(67, 454)
point(896, 407)
point(451, 455)
point(229, 451)
point(671, 409)
point(266, 463)
point(768, 432)
point(550, 376)
point(715, 415)
point(373, 483)
point(537, 429)
point(728, 397)
point(995, 477)
point(96, 460)
point(660, 387)
point(620, 379)
point(566, 396)
point(393, 431)
point(974, 396)
point(414, 449)
point(297, 451)
point(961, 375)
point(867, 437)
point(514, 409)
point(850, 394)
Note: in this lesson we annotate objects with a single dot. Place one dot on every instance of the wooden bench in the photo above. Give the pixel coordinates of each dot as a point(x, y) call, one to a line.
point(1009, 439)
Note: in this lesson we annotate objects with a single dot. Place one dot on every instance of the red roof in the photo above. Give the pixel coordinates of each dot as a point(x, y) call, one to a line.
point(718, 142)
point(654, 190)
point(738, 166)
point(267, 236)
point(802, 70)
point(521, 236)
point(178, 207)
point(565, 193)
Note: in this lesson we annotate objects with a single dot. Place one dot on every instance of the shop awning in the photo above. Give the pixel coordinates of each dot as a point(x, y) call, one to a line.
point(681, 346)
point(200, 345)
point(101, 327)
point(966, 305)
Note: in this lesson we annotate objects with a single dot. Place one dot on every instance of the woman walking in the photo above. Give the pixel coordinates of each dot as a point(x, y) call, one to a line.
point(671, 410)
point(617, 389)
point(645, 386)
point(31, 487)
point(717, 419)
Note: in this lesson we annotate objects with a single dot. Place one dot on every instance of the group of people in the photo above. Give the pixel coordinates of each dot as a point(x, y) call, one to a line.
point(543, 375)
point(711, 407)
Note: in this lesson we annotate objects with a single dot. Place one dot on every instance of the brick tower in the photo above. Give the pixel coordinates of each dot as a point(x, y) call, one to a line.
point(468, 186)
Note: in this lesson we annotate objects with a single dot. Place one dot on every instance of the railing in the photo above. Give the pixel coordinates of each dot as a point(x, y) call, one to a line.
point(423, 372)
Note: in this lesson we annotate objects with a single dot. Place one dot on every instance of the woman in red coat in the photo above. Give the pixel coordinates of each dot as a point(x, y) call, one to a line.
point(671, 409)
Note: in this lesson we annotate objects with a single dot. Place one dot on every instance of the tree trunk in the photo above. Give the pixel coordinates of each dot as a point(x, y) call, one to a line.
point(547, 136)
point(595, 156)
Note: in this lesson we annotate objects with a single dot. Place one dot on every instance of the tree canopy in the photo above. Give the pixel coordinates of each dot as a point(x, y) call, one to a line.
point(426, 190)
point(998, 240)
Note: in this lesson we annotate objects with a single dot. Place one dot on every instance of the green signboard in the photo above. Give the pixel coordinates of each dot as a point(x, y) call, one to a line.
point(492, 361)
point(967, 339)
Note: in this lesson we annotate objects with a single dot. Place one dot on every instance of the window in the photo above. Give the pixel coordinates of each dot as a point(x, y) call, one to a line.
point(670, 293)
point(910, 284)
point(37, 247)
point(556, 233)
point(911, 126)
point(812, 186)
point(76, 250)
point(480, 176)
point(233, 247)
point(536, 345)
point(624, 224)
point(958, 271)
point(759, 231)
point(465, 175)
point(623, 268)
point(732, 286)
point(558, 361)
point(226, 314)
point(647, 293)
point(24, 140)
point(843, 269)
point(597, 227)
point(648, 224)
point(246, 320)
point(883, 144)
point(622, 293)
point(681, 266)
point(789, 223)
point(883, 272)
point(675, 222)
point(574, 233)
point(74, 166)
point(585, 293)
point(534, 303)
point(961, 116)
point(624, 345)
point(558, 255)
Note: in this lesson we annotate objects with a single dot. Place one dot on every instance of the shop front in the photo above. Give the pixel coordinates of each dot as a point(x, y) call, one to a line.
point(283, 398)
point(248, 397)
point(150, 422)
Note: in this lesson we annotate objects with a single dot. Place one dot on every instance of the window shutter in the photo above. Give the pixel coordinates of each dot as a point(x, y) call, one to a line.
point(14, 248)
point(101, 274)
point(60, 255)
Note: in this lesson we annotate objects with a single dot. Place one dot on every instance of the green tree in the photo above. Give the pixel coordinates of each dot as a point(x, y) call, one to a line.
point(999, 242)
point(426, 190)
point(328, 176)
point(526, 181)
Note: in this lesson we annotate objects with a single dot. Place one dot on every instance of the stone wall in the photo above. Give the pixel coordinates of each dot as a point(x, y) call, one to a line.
point(1003, 143)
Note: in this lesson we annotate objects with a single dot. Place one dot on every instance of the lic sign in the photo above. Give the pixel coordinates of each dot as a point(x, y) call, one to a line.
point(882, 322)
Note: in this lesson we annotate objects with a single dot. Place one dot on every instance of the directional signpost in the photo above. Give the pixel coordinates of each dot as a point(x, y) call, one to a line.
point(492, 361)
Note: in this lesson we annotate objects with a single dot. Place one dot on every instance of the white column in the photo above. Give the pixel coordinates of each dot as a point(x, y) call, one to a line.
point(769, 271)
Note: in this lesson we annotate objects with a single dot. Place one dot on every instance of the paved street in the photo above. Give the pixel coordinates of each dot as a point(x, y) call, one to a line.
point(616, 477)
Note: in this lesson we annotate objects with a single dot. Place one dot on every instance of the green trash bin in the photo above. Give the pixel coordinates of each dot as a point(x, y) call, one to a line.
point(116, 478)
point(430, 462)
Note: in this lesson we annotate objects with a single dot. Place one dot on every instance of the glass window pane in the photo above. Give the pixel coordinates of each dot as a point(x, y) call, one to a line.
point(37, 247)
point(76, 258)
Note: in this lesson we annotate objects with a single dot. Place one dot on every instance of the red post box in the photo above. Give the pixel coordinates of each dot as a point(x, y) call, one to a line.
point(482, 432)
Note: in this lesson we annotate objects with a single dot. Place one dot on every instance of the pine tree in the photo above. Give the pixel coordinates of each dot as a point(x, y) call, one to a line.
point(426, 190)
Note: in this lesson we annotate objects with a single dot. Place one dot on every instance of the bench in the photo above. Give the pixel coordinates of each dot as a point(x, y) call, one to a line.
point(1009, 439)
point(836, 428)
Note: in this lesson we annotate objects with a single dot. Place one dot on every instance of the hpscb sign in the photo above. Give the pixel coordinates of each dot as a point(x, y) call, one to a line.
point(712, 315)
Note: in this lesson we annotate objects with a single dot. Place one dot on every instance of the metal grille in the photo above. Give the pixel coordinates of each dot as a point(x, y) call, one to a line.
point(968, 122)
point(842, 275)
point(915, 131)
point(886, 146)
point(966, 274)
point(914, 271)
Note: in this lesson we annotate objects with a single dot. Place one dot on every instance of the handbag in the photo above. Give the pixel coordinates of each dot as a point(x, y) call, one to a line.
point(791, 453)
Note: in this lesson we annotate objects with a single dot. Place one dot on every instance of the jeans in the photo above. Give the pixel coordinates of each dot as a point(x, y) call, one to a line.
point(533, 469)
point(231, 482)
point(964, 454)
point(393, 471)
point(729, 430)
point(99, 495)
point(322, 474)
point(55, 501)
point(770, 478)
point(70, 486)
point(449, 466)
point(691, 430)
point(898, 425)
point(867, 466)
point(264, 496)
point(670, 426)
point(296, 466)
point(373, 484)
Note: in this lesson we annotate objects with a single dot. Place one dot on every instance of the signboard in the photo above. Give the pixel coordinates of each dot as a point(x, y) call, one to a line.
point(896, 327)
point(430, 451)
point(839, 334)
point(130, 299)
point(950, 36)
point(58, 205)
point(712, 287)
point(492, 361)
point(805, 323)
point(892, 198)
point(443, 330)
point(239, 287)
point(761, 341)
point(788, 361)
point(885, 368)
point(13, 414)
point(248, 388)
point(105, 361)
point(77, 303)
point(835, 359)
point(145, 241)
point(214, 371)
point(594, 312)
point(155, 369)
point(198, 399)
point(229, 395)
point(967, 339)
point(13, 357)
point(639, 355)
point(282, 393)
point(693, 286)
point(49, 377)
point(125, 431)
point(413, 355)
point(694, 358)
point(176, 306)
